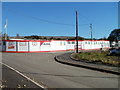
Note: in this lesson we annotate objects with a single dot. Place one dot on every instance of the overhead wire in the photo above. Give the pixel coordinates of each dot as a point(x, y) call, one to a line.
point(43, 20)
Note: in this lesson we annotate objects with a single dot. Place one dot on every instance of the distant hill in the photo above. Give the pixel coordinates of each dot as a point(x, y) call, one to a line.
point(48, 37)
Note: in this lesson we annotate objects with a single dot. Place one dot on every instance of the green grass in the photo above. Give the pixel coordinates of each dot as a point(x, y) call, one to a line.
point(98, 57)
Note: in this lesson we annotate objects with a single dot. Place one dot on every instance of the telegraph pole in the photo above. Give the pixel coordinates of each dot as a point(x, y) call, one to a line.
point(76, 32)
point(91, 31)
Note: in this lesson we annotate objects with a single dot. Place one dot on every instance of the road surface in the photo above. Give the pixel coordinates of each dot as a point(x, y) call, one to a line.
point(12, 79)
point(42, 68)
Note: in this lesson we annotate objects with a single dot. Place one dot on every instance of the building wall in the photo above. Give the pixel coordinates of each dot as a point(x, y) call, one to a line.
point(53, 45)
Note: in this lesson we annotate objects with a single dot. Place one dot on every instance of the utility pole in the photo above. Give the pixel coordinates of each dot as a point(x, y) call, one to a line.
point(76, 32)
point(91, 31)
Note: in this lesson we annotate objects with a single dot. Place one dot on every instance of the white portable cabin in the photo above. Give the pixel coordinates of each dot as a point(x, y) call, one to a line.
point(86, 45)
point(94, 44)
point(70, 45)
point(58, 45)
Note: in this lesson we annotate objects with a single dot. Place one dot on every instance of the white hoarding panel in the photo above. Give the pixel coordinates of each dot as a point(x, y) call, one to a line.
point(10, 46)
point(45, 46)
point(22, 46)
point(34, 46)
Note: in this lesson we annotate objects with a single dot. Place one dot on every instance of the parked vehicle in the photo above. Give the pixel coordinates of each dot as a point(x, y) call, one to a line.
point(115, 52)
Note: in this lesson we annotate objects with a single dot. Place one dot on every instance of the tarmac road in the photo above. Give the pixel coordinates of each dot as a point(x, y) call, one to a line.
point(42, 68)
point(11, 79)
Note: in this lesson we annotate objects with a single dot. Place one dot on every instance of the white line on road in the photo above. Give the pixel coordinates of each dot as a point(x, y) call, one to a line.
point(38, 84)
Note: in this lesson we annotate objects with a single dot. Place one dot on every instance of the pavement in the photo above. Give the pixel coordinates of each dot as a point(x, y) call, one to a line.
point(68, 59)
point(11, 79)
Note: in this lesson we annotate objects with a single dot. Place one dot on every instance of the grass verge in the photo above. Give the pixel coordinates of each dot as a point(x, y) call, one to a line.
point(98, 58)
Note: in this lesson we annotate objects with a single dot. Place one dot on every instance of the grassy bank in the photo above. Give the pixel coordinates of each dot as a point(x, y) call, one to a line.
point(98, 58)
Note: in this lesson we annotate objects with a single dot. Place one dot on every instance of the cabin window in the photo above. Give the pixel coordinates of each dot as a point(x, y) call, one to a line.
point(73, 42)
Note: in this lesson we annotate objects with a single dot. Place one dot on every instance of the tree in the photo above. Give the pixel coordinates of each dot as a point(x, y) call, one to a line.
point(51, 38)
point(33, 37)
point(104, 38)
point(45, 38)
point(114, 35)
